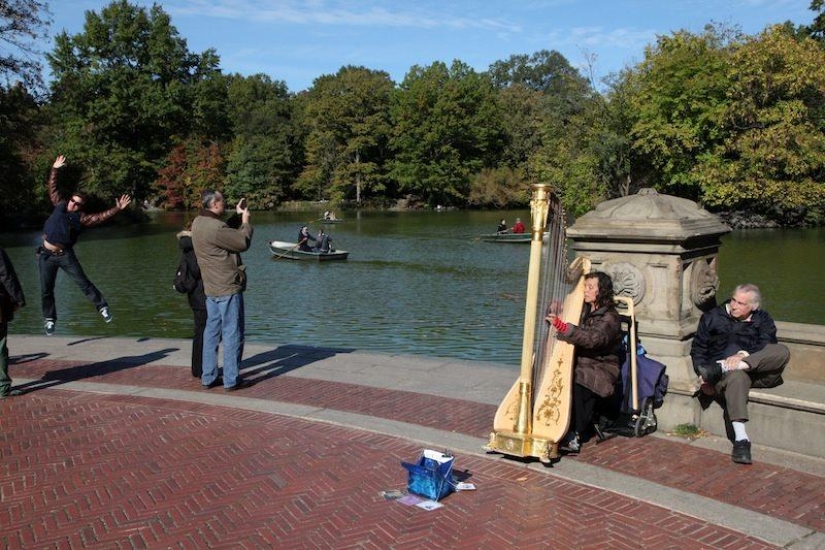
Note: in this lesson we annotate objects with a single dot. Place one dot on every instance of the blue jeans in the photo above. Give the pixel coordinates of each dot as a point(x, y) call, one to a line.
point(224, 322)
point(48, 265)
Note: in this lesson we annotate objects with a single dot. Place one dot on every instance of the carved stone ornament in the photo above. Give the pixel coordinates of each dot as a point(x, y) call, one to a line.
point(627, 280)
point(704, 281)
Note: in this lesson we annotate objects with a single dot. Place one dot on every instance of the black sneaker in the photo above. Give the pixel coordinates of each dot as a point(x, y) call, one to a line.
point(49, 326)
point(711, 373)
point(741, 452)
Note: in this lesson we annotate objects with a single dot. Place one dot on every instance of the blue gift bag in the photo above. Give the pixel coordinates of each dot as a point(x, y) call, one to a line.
point(432, 475)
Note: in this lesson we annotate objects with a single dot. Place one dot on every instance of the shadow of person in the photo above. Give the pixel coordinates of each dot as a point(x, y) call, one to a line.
point(28, 358)
point(284, 359)
point(92, 370)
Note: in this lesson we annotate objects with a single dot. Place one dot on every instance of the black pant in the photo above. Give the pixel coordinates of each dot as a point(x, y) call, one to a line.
point(48, 264)
point(197, 342)
point(584, 404)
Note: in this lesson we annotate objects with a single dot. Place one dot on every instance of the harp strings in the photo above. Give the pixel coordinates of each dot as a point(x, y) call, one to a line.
point(553, 288)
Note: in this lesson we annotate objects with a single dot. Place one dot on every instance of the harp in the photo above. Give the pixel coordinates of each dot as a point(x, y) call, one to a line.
point(535, 413)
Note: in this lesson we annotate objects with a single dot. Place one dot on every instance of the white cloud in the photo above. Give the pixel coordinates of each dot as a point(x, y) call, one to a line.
point(338, 12)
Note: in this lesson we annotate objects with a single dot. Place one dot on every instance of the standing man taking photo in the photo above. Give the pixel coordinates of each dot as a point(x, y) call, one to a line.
point(60, 234)
point(217, 248)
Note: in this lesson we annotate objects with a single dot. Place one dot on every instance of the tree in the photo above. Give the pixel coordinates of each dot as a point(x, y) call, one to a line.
point(348, 115)
point(265, 152)
point(447, 128)
point(772, 158)
point(123, 96)
point(679, 100)
point(22, 22)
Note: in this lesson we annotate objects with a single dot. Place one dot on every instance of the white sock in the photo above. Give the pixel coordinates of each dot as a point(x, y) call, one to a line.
point(739, 431)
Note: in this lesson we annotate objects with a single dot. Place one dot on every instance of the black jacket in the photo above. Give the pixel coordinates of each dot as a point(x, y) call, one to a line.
point(11, 293)
point(719, 335)
point(197, 298)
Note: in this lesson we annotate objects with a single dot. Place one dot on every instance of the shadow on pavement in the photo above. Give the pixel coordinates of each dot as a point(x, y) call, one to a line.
point(80, 372)
point(284, 359)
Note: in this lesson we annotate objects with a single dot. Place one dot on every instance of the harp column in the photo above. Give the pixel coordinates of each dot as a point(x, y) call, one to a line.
point(662, 252)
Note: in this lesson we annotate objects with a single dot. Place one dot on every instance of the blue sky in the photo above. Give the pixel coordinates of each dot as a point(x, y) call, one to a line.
point(298, 41)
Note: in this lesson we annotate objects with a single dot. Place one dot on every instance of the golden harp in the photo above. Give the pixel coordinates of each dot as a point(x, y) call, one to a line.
point(535, 413)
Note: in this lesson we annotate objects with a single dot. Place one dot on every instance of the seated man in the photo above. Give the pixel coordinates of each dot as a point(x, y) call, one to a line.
point(735, 349)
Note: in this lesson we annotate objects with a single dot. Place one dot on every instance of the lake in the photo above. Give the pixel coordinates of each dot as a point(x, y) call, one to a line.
point(415, 282)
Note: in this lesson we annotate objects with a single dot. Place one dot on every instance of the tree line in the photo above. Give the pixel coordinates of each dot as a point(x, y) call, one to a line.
point(735, 122)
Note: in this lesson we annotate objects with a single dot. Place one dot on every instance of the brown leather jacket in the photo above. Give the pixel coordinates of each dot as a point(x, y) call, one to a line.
point(63, 227)
point(596, 341)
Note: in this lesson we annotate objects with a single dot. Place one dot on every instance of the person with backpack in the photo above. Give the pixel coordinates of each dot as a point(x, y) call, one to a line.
point(188, 281)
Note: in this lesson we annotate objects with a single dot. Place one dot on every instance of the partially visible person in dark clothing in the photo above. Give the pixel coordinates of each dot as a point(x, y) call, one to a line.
point(196, 297)
point(596, 368)
point(60, 234)
point(11, 299)
point(322, 242)
point(303, 239)
point(502, 226)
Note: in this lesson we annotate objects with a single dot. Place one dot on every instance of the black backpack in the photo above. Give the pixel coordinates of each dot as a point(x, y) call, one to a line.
point(184, 282)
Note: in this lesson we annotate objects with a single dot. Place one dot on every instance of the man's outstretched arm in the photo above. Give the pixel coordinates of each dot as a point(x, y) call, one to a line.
point(59, 162)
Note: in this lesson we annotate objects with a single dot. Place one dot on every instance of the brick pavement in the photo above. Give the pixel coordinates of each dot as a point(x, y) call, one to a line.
point(86, 469)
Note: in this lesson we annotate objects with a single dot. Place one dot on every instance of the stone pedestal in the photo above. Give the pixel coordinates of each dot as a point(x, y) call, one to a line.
point(662, 252)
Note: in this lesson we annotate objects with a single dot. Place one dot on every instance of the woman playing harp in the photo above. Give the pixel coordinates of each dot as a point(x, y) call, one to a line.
point(596, 366)
point(534, 415)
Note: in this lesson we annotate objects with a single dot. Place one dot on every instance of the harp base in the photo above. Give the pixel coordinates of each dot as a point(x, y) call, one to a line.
point(524, 445)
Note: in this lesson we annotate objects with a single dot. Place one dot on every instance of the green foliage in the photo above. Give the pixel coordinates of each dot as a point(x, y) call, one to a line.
point(265, 152)
point(20, 119)
point(447, 127)
point(124, 88)
point(348, 116)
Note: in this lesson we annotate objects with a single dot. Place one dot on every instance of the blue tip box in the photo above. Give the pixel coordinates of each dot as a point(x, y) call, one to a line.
point(432, 475)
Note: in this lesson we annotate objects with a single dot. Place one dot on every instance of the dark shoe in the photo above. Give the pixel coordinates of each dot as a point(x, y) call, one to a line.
point(49, 326)
point(11, 393)
point(240, 384)
point(572, 444)
point(214, 384)
point(711, 373)
point(741, 452)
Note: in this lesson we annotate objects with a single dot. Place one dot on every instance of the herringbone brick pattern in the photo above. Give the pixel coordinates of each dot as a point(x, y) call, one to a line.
point(82, 470)
point(772, 490)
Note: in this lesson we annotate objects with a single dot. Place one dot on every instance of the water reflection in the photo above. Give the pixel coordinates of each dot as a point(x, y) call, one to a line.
point(415, 282)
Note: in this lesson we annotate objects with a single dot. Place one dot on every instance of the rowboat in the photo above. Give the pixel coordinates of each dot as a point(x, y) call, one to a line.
point(283, 249)
point(505, 237)
point(326, 221)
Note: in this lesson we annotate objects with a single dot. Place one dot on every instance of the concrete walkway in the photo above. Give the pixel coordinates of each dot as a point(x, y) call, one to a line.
point(115, 445)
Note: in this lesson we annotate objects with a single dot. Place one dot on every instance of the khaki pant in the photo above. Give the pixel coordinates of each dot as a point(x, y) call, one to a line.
point(765, 372)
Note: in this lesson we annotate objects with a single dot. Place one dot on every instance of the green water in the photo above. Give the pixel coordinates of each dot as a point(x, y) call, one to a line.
point(414, 283)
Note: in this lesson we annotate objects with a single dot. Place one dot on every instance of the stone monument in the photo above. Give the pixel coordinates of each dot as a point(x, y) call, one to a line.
point(662, 252)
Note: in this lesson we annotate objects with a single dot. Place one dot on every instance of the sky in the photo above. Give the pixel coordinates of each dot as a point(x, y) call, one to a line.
point(297, 41)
